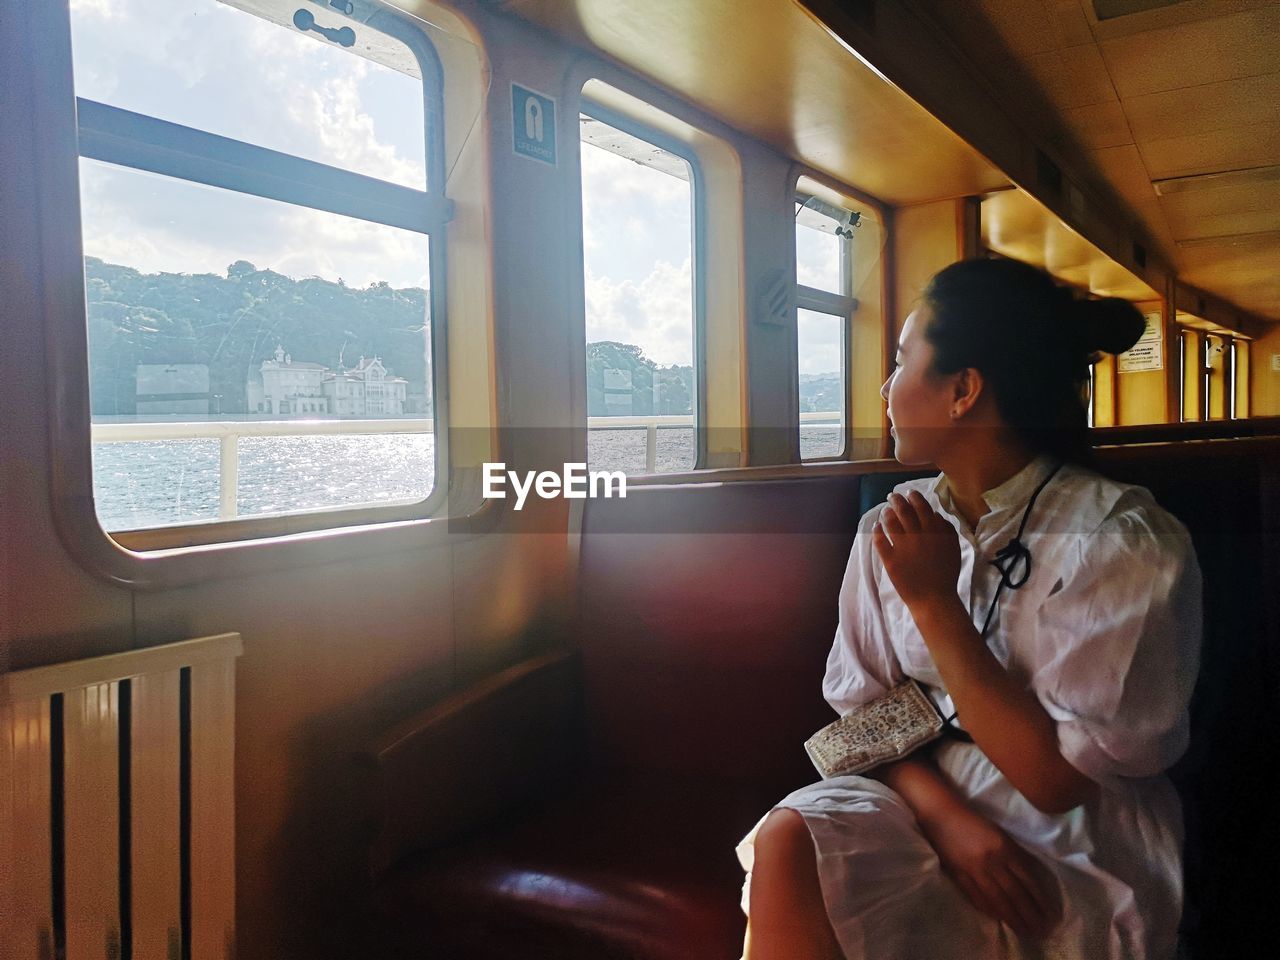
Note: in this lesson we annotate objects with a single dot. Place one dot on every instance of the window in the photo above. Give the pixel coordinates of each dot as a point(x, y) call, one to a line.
point(638, 194)
point(1091, 407)
point(825, 307)
point(1209, 392)
point(260, 194)
point(1182, 376)
point(1238, 391)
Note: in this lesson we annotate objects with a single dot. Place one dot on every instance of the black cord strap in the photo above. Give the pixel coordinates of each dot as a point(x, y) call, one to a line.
point(1013, 560)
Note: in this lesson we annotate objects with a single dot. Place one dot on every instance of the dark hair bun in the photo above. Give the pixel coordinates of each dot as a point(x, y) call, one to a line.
point(1111, 324)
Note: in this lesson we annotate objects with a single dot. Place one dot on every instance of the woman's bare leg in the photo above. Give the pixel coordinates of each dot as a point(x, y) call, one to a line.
point(787, 916)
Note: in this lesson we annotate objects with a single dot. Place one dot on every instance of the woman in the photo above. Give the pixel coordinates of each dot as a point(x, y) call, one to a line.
point(1042, 826)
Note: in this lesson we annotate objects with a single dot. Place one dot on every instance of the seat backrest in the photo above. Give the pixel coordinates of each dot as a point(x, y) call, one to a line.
point(707, 614)
point(1227, 493)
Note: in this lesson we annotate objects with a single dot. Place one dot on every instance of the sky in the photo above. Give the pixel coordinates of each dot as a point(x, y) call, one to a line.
point(206, 65)
point(818, 340)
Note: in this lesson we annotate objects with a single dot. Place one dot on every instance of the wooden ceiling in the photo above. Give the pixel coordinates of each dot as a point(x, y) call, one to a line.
point(1173, 113)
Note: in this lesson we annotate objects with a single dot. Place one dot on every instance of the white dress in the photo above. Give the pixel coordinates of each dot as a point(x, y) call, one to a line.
point(1106, 631)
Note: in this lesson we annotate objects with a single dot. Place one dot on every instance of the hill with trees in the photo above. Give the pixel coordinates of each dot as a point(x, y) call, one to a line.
point(820, 392)
point(655, 390)
point(234, 322)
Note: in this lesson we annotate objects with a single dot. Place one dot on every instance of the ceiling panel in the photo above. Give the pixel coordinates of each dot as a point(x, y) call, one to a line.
point(1072, 76)
point(1212, 106)
point(1191, 54)
point(1188, 226)
point(1070, 22)
point(1250, 270)
point(1261, 198)
point(1219, 150)
point(1038, 27)
point(1098, 125)
point(1123, 169)
point(1186, 11)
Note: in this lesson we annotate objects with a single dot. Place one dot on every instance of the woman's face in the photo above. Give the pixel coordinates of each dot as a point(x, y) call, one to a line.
point(919, 401)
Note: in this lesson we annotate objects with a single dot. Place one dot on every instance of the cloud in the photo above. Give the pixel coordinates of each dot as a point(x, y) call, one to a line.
point(209, 66)
point(334, 117)
point(356, 250)
point(817, 259)
point(819, 342)
point(655, 314)
point(96, 8)
point(618, 194)
point(156, 224)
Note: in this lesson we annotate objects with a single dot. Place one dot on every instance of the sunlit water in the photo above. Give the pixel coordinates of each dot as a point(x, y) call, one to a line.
point(156, 483)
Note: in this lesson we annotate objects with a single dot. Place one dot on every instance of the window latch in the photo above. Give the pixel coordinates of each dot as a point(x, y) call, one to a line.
point(305, 20)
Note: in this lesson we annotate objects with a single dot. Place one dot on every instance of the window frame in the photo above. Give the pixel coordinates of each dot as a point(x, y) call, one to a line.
point(697, 257)
point(843, 306)
point(1092, 408)
point(1206, 379)
point(1182, 376)
point(178, 554)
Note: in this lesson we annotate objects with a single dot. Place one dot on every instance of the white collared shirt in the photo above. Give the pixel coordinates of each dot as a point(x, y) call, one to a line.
point(1106, 630)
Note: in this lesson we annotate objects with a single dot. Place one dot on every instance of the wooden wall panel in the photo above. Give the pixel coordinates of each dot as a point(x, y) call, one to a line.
point(1264, 378)
point(156, 831)
point(213, 787)
point(92, 808)
point(926, 238)
point(26, 883)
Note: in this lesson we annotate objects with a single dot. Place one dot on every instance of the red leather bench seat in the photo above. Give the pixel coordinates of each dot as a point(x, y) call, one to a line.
point(608, 869)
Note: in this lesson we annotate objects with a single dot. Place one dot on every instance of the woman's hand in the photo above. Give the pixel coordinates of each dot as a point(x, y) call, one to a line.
point(919, 548)
point(995, 874)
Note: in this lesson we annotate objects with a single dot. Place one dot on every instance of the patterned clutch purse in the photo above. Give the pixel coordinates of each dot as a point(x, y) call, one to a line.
point(885, 729)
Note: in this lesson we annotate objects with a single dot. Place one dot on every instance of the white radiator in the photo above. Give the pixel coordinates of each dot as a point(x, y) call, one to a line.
point(117, 806)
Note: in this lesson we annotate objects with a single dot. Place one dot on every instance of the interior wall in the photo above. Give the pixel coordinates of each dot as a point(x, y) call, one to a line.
point(868, 349)
point(1244, 375)
point(1106, 389)
point(926, 238)
point(1141, 394)
point(1264, 377)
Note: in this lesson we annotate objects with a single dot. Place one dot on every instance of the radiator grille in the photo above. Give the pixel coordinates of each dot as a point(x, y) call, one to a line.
point(117, 825)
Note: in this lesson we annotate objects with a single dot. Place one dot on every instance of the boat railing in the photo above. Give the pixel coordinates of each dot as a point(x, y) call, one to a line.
point(229, 432)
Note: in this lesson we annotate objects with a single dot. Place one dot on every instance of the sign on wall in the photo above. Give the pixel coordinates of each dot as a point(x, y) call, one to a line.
point(1145, 355)
point(1148, 352)
point(533, 117)
point(1152, 329)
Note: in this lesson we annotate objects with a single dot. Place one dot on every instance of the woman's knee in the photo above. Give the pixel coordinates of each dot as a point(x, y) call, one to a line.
point(784, 836)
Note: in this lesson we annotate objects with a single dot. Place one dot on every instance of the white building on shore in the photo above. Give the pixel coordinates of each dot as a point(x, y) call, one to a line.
point(285, 388)
point(367, 389)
